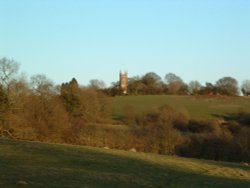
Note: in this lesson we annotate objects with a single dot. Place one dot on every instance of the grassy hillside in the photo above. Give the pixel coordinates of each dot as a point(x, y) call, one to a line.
point(51, 165)
point(201, 107)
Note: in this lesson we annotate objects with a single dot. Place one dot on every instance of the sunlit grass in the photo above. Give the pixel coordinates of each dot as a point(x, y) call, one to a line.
point(201, 107)
point(54, 165)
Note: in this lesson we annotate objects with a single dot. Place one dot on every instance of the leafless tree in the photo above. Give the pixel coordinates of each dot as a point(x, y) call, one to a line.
point(245, 87)
point(8, 69)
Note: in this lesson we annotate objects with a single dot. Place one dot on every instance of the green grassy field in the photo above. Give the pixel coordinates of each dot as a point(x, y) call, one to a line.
point(201, 107)
point(52, 165)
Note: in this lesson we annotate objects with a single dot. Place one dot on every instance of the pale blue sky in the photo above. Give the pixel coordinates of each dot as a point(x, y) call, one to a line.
point(94, 39)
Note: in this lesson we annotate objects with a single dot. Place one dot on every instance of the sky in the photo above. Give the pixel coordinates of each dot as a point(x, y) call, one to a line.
point(95, 39)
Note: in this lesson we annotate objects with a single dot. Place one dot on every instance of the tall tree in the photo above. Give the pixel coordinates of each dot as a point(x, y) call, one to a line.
point(175, 84)
point(70, 95)
point(227, 86)
point(152, 81)
point(151, 78)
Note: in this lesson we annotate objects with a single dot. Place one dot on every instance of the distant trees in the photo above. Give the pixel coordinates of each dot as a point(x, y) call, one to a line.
point(245, 87)
point(175, 84)
point(96, 84)
point(151, 79)
point(194, 87)
point(208, 89)
point(136, 86)
point(227, 86)
point(224, 86)
point(148, 84)
point(152, 84)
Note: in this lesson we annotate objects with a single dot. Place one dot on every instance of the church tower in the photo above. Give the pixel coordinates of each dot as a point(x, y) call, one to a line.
point(124, 82)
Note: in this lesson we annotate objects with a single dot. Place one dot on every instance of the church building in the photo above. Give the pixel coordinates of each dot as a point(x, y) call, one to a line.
point(124, 82)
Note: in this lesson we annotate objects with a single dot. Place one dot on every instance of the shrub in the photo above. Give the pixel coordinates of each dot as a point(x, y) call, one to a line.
point(243, 139)
point(158, 128)
point(196, 126)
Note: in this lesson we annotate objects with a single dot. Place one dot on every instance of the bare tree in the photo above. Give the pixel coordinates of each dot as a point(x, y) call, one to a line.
point(96, 84)
point(194, 87)
point(41, 85)
point(245, 87)
point(8, 69)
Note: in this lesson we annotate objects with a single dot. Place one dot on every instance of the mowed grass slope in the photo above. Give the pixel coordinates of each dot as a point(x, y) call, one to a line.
point(54, 165)
point(201, 107)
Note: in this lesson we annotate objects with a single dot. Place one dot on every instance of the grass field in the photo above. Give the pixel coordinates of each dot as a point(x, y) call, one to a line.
point(196, 107)
point(34, 164)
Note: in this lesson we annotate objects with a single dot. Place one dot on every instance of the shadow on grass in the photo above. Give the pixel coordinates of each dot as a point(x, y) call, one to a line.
point(242, 118)
point(47, 165)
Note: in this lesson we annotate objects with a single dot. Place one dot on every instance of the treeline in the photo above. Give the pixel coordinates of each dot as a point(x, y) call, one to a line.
point(152, 84)
point(36, 109)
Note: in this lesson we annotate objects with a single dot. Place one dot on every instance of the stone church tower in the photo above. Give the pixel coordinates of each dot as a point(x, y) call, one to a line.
point(124, 82)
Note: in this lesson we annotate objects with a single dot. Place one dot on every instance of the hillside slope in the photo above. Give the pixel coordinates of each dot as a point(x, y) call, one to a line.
point(197, 107)
point(35, 164)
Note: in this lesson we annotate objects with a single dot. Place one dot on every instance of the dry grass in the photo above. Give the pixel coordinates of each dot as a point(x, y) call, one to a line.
point(54, 165)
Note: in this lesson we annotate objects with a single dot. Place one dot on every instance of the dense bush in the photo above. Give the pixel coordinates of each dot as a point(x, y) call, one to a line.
point(157, 127)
